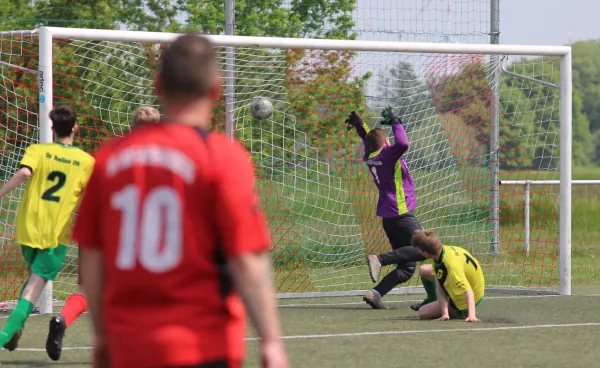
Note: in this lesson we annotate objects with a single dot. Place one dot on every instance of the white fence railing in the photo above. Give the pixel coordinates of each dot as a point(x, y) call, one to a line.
point(527, 196)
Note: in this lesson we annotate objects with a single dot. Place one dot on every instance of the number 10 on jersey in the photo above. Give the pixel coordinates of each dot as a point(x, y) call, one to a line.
point(150, 232)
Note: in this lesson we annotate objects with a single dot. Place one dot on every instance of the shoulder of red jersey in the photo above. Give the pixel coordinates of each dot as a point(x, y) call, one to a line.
point(228, 147)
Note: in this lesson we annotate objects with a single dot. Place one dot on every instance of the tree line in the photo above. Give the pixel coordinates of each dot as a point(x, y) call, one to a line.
point(447, 112)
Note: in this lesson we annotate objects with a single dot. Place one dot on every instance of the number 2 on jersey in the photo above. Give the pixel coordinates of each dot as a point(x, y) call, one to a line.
point(158, 233)
point(48, 195)
point(374, 171)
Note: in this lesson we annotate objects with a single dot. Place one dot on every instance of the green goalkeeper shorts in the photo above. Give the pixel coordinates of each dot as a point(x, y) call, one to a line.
point(45, 263)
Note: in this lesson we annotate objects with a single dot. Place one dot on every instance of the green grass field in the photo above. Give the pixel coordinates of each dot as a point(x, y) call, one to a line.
point(517, 331)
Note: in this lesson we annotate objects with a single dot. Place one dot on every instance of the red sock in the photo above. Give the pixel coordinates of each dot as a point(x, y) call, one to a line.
point(74, 306)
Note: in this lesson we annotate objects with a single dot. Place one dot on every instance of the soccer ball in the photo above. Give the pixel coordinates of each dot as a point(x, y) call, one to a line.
point(261, 108)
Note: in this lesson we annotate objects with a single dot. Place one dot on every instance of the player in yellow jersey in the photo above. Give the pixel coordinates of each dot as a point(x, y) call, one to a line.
point(77, 303)
point(460, 282)
point(58, 172)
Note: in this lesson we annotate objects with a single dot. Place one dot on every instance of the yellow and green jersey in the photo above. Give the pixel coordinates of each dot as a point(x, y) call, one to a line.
point(59, 175)
point(457, 272)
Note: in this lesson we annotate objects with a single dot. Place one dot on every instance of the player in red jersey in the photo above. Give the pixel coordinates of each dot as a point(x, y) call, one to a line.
point(171, 235)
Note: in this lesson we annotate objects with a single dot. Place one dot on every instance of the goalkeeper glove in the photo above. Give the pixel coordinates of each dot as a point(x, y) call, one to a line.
point(388, 116)
point(353, 121)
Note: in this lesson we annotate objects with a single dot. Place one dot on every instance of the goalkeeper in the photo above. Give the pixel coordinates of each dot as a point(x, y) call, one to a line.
point(396, 203)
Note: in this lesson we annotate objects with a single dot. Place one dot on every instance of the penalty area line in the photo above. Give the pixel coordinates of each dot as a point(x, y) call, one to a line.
point(296, 305)
point(405, 332)
point(408, 332)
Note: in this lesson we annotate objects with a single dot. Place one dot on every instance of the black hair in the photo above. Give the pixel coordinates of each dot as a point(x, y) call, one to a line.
point(63, 121)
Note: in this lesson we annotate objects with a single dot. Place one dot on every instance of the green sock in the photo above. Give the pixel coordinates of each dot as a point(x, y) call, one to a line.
point(16, 320)
point(429, 289)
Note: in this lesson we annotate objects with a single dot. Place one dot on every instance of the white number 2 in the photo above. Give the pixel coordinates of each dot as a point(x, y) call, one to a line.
point(158, 234)
point(374, 171)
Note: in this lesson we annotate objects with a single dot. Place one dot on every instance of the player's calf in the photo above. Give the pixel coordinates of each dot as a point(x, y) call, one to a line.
point(428, 279)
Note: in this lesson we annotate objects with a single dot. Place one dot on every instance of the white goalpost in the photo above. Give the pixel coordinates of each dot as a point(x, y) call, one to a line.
point(319, 199)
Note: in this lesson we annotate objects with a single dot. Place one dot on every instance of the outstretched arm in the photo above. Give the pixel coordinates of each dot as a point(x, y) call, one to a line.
point(443, 299)
point(472, 316)
point(462, 284)
point(400, 139)
point(16, 180)
point(362, 130)
point(354, 120)
point(29, 163)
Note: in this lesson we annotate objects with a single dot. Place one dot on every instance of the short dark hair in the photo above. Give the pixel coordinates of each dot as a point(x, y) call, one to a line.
point(426, 241)
point(63, 121)
point(376, 139)
point(188, 66)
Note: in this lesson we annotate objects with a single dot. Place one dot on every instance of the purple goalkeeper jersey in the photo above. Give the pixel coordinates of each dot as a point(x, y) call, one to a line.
point(390, 174)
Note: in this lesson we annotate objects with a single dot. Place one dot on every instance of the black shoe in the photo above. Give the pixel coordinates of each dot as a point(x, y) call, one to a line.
point(373, 299)
point(418, 306)
point(56, 333)
point(14, 341)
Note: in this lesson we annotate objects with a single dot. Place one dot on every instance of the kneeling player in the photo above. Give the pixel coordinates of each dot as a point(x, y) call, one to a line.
point(460, 281)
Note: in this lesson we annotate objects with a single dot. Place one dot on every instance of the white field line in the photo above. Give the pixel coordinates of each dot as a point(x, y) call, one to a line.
point(405, 332)
point(388, 301)
point(420, 300)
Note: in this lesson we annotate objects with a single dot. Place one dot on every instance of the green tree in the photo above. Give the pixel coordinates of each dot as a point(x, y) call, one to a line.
point(586, 79)
point(529, 133)
point(152, 15)
point(78, 14)
point(17, 15)
point(403, 89)
point(428, 144)
point(315, 18)
point(544, 103)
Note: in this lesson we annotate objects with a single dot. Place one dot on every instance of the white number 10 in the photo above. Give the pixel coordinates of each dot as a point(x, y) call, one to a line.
point(158, 234)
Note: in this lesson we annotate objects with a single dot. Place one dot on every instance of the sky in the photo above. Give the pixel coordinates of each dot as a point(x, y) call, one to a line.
point(548, 22)
point(542, 22)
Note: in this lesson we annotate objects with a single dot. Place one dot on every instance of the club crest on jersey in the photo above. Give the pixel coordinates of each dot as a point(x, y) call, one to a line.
point(440, 274)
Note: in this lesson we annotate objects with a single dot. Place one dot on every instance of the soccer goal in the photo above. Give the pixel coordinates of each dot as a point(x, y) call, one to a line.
point(474, 115)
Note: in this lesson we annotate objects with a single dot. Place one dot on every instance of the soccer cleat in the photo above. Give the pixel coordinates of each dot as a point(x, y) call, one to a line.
point(56, 333)
point(14, 341)
point(418, 306)
point(374, 267)
point(373, 299)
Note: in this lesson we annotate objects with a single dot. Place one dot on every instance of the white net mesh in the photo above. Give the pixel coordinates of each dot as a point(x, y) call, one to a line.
point(319, 197)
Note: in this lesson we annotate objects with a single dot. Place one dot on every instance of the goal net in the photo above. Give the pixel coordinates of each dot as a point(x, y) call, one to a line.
point(457, 108)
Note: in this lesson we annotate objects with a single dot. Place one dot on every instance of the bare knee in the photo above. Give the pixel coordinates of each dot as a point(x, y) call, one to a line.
point(430, 311)
point(426, 272)
point(33, 289)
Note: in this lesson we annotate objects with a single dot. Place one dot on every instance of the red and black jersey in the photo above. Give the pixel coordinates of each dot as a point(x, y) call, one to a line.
point(168, 207)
